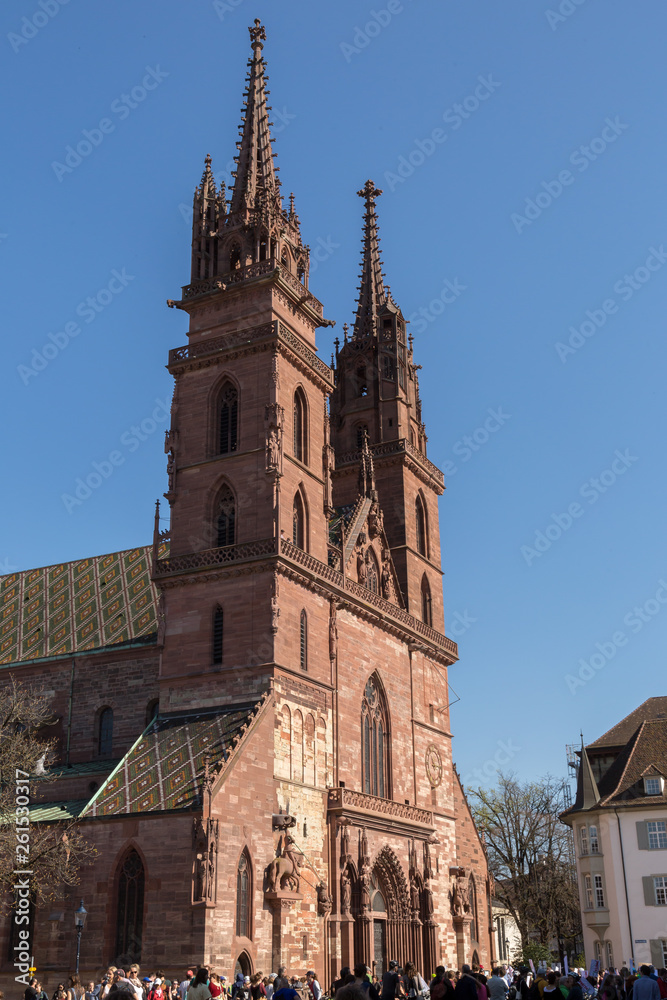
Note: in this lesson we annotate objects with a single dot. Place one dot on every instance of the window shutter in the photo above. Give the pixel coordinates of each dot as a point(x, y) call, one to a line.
point(649, 890)
point(642, 836)
point(656, 954)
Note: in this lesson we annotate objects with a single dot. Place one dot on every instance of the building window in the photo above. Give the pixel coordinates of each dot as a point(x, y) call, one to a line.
point(588, 891)
point(235, 258)
point(599, 891)
point(228, 423)
point(597, 947)
point(362, 431)
point(243, 896)
point(300, 427)
point(427, 609)
point(653, 786)
point(660, 887)
point(130, 913)
point(593, 835)
point(362, 382)
point(303, 641)
point(388, 369)
point(374, 737)
point(299, 522)
point(610, 955)
point(583, 838)
point(420, 519)
point(218, 626)
point(226, 521)
point(472, 900)
point(105, 737)
point(657, 835)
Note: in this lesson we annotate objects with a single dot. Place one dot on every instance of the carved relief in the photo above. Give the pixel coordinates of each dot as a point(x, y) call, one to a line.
point(324, 903)
point(345, 893)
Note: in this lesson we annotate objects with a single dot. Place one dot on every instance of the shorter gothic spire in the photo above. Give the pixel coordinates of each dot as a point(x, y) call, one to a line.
point(372, 293)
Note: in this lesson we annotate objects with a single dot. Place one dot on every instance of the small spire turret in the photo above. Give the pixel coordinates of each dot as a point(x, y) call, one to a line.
point(372, 293)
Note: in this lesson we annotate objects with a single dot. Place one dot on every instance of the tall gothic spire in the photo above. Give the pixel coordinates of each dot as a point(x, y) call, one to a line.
point(372, 293)
point(256, 185)
point(208, 215)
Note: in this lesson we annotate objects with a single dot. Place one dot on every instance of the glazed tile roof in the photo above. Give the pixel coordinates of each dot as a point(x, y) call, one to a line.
point(52, 812)
point(91, 603)
point(164, 769)
point(618, 735)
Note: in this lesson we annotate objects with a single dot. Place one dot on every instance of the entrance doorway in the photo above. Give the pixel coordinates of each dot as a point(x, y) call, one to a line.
point(243, 965)
point(379, 947)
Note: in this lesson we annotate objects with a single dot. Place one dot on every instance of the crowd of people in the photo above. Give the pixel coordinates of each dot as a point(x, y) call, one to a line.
point(473, 983)
point(470, 983)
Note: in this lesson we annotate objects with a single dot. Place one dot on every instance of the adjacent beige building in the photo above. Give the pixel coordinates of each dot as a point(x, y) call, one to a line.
point(619, 820)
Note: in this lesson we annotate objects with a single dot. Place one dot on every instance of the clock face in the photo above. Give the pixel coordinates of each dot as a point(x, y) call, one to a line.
point(433, 765)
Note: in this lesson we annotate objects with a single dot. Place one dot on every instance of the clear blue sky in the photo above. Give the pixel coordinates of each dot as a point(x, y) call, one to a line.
point(581, 93)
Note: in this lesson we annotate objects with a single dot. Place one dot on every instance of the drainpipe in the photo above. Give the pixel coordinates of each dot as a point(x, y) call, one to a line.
point(69, 714)
point(625, 886)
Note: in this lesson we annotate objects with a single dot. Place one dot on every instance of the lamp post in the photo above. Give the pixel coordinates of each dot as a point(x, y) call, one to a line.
point(79, 922)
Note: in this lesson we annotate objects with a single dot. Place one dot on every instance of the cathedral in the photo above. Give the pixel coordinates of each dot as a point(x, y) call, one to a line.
point(252, 713)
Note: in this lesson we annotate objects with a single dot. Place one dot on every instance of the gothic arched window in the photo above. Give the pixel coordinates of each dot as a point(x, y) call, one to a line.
point(243, 890)
point(362, 382)
point(388, 366)
point(228, 419)
point(372, 575)
point(374, 739)
point(303, 640)
point(472, 899)
point(226, 517)
point(130, 909)
point(299, 522)
point(427, 610)
point(420, 519)
point(218, 623)
point(105, 734)
point(300, 427)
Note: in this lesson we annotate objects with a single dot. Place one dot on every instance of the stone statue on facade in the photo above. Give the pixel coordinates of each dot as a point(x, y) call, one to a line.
point(283, 872)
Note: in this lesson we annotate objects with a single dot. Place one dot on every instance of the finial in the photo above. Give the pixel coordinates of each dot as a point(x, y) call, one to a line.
point(257, 34)
point(291, 203)
point(208, 161)
point(345, 331)
point(369, 191)
point(411, 340)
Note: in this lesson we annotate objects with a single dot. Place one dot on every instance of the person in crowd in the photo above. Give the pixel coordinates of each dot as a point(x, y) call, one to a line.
point(313, 985)
point(31, 991)
point(466, 988)
point(441, 985)
point(92, 992)
point(363, 982)
point(482, 991)
point(214, 985)
point(351, 991)
point(391, 983)
point(271, 985)
point(552, 990)
point(198, 989)
point(337, 983)
point(60, 993)
point(75, 990)
point(645, 987)
point(184, 984)
point(121, 987)
point(133, 977)
point(662, 983)
point(496, 985)
point(286, 992)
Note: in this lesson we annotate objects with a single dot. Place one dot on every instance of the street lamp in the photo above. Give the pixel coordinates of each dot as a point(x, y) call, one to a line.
point(79, 922)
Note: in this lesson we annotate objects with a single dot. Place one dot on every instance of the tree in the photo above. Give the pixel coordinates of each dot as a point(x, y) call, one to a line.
point(51, 852)
point(531, 857)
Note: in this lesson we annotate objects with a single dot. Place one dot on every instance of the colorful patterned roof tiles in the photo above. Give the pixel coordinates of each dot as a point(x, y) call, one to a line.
point(77, 606)
point(165, 767)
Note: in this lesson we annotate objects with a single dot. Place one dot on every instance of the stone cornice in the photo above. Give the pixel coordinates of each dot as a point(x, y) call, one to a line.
point(209, 351)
